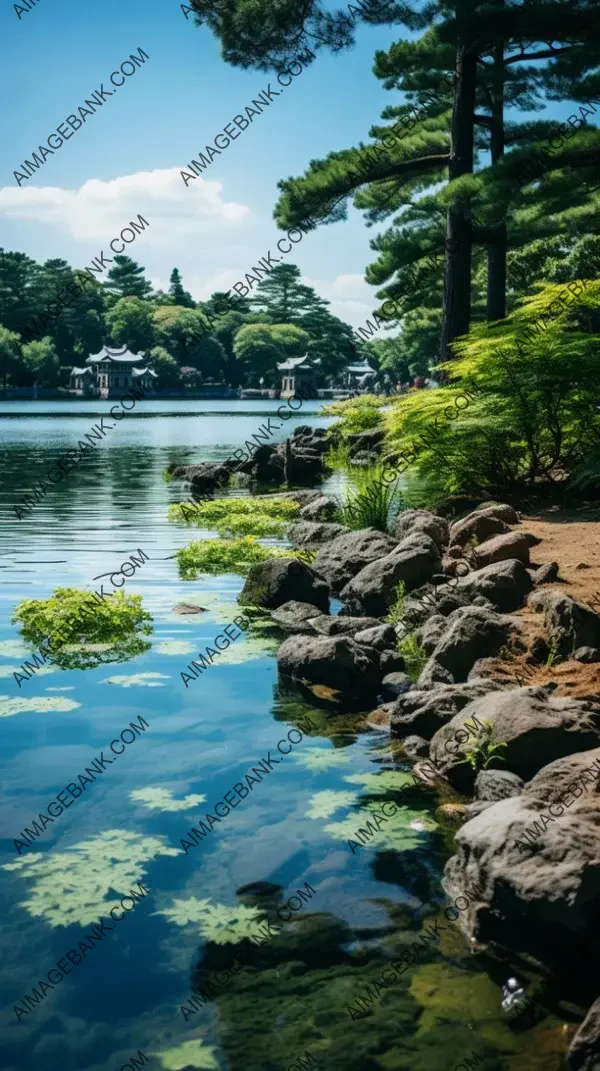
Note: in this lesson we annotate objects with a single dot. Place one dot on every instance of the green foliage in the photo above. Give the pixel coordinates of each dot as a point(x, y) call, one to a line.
point(130, 322)
point(126, 278)
point(227, 556)
point(355, 414)
point(553, 653)
point(260, 347)
point(166, 368)
point(397, 608)
point(483, 750)
point(528, 410)
point(368, 502)
point(240, 516)
point(414, 655)
point(119, 619)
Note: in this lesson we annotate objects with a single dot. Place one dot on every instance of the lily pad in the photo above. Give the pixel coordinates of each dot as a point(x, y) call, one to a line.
point(162, 799)
point(215, 922)
point(193, 1053)
point(37, 704)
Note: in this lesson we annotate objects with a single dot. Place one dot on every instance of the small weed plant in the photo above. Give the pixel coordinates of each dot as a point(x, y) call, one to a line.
point(369, 502)
point(397, 608)
point(484, 750)
point(414, 655)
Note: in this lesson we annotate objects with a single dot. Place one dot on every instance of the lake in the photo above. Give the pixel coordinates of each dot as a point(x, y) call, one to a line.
point(162, 986)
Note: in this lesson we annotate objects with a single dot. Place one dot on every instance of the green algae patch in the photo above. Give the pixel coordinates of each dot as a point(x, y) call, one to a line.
point(83, 632)
point(227, 556)
point(239, 516)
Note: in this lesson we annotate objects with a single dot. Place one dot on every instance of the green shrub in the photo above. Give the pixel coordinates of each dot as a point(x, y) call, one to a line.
point(414, 655)
point(529, 399)
point(229, 556)
point(356, 414)
point(239, 516)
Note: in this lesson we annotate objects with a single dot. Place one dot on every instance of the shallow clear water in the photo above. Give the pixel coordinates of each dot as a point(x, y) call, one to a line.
point(363, 908)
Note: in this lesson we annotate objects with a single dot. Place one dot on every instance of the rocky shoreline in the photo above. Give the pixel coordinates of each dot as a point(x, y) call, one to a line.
point(530, 840)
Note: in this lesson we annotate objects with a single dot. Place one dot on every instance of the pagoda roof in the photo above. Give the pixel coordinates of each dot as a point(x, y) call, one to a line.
point(298, 363)
point(124, 358)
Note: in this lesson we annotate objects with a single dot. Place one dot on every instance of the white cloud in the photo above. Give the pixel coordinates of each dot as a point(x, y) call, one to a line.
point(99, 210)
point(352, 299)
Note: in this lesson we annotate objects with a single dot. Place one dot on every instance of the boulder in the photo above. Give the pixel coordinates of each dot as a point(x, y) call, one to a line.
point(497, 785)
point(586, 655)
point(424, 712)
point(545, 574)
point(421, 520)
point(391, 661)
point(314, 533)
point(477, 525)
point(502, 547)
point(336, 663)
point(381, 637)
point(279, 580)
point(584, 1050)
point(395, 684)
point(343, 626)
point(501, 510)
point(569, 624)
point(536, 728)
point(504, 584)
point(295, 616)
point(527, 877)
point(372, 590)
point(205, 477)
point(322, 509)
point(470, 633)
point(345, 556)
point(302, 468)
point(416, 747)
point(430, 634)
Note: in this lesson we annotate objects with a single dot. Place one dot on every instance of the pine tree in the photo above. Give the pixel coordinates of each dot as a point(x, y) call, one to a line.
point(126, 278)
point(178, 295)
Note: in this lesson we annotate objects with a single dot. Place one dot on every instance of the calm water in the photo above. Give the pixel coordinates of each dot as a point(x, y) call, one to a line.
point(363, 908)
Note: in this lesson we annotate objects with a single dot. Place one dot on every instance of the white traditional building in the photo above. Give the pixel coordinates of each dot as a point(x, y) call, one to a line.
point(107, 376)
point(299, 374)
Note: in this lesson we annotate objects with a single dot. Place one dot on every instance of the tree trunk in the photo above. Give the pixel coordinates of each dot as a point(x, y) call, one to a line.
point(457, 266)
point(496, 279)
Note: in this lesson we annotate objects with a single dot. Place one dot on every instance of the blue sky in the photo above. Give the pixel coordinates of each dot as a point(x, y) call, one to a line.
point(127, 157)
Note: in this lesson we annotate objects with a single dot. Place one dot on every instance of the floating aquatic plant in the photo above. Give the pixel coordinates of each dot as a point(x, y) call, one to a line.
point(215, 922)
point(147, 680)
point(74, 615)
point(318, 759)
point(324, 804)
point(7, 671)
point(226, 556)
point(192, 1053)
point(174, 647)
point(235, 516)
point(14, 649)
point(73, 886)
point(162, 799)
point(38, 705)
point(385, 781)
point(399, 832)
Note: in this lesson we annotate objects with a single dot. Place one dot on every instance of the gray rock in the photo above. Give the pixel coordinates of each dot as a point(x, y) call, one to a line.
point(336, 663)
point(430, 634)
point(520, 884)
point(380, 637)
point(470, 633)
point(322, 509)
point(295, 616)
point(479, 525)
point(343, 626)
point(370, 440)
point(532, 539)
point(586, 654)
point(345, 556)
point(584, 1050)
point(314, 533)
point(372, 590)
point(536, 727)
point(185, 608)
point(391, 661)
point(395, 684)
point(432, 674)
point(505, 584)
point(421, 520)
point(545, 574)
point(569, 624)
point(279, 580)
point(501, 510)
point(424, 712)
point(497, 785)
point(416, 747)
point(502, 547)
